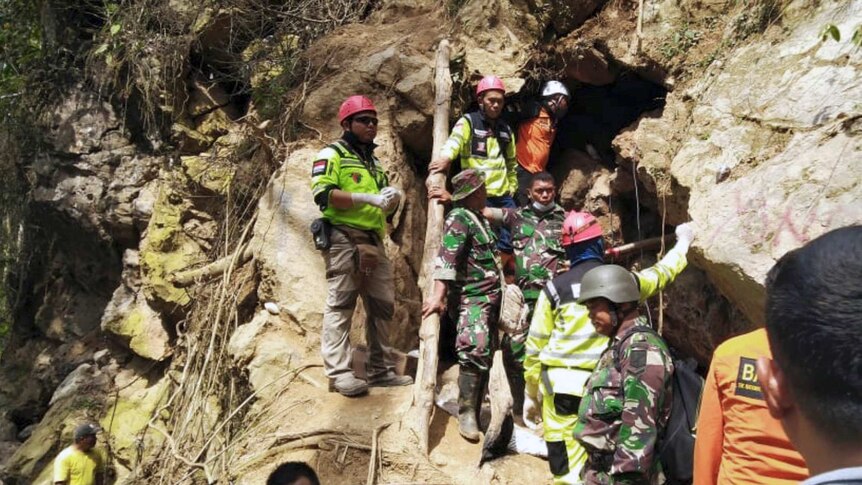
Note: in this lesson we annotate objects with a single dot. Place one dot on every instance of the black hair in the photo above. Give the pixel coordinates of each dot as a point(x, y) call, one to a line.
point(291, 471)
point(814, 323)
point(542, 177)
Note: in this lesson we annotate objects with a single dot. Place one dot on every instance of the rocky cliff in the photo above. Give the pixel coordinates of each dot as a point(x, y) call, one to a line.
point(168, 199)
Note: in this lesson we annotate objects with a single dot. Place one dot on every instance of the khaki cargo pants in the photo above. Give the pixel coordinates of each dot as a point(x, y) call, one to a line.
point(346, 282)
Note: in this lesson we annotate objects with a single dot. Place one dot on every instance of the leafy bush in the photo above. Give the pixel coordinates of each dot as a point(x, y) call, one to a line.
point(680, 41)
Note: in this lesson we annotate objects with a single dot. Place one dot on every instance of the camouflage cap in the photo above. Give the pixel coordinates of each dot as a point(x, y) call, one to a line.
point(466, 182)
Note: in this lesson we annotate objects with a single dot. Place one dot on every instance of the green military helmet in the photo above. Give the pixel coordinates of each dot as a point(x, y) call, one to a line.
point(466, 182)
point(610, 281)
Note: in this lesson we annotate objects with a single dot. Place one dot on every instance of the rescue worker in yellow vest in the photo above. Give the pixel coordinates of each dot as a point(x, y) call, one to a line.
point(483, 141)
point(563, 347)
point(352, 190)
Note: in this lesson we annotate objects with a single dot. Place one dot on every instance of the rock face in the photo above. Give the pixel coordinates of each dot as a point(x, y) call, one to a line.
point(494, 37)
point(130, 317)
point(761, 167)
point(761, 148)
point(291, 270)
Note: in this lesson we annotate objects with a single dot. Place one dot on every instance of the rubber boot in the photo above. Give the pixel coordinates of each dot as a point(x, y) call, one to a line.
point(469, 391)
point(516, 385)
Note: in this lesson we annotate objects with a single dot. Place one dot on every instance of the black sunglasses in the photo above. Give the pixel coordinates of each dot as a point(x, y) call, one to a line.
point(366, 120)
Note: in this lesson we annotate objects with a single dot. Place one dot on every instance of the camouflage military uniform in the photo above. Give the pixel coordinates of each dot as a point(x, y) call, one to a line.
point(626, 404)
point(539, 257)
point(467, 261)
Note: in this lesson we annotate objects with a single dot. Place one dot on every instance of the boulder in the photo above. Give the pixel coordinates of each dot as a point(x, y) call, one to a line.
point(588, 65)
point(213, 124)
point(210, 172)
point(188, 140)
point(82, 381)
point(94, 172)
point(762, 160)
point(142, 329)
point(267, 350)
point(126, 417)
point(166, 249)
point(573, 170)
point(495, 37)
point(79, 124)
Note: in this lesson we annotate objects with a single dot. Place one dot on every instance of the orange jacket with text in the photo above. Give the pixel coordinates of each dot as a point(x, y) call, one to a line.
point(534, 140)
point(738, 442)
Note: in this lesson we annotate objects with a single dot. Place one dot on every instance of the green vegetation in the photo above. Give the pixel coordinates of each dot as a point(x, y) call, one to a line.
point(147, 51)
point(21, 47)
point(831, 31)
point(680, 41)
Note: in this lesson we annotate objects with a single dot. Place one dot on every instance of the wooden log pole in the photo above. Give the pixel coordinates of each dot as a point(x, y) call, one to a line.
point(650, 243)
point(429, 331)
point(218, 267)
point(501, 426)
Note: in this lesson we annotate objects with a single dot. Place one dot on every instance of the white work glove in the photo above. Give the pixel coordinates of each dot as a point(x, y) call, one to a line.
point(533, 408)
point(684, 236)
point(377, 200)
point(395, 198)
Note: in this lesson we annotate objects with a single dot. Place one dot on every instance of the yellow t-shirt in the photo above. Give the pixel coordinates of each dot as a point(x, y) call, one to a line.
point(76, 467)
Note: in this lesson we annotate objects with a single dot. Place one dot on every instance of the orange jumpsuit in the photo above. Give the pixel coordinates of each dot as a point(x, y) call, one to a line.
point(534, 140)
point(738, 442)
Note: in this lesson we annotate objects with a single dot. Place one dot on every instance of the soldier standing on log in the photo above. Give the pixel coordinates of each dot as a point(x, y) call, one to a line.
point(539, 257)
point(467, 270)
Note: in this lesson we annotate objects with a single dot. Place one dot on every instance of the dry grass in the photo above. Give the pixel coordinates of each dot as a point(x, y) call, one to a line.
point(148, 49)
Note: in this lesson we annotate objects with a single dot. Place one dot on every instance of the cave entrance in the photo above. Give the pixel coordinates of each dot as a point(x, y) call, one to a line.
point(597, 114)
point(607, 100)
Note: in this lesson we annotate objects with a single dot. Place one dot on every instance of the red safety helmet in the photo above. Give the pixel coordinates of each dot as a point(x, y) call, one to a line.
point(353, 105)
point(489, 83)
point(580, 226)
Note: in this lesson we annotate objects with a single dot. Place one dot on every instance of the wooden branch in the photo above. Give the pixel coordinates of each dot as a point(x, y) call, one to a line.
point(187, 278)
point(634, 246)
point(372, 465)
point(501, 426)
point(429, 332)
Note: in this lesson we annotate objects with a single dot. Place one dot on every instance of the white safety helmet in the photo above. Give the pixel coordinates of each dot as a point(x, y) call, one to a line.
point(554, 87)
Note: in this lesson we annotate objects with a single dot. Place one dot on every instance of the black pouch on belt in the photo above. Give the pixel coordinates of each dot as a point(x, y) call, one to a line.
point(321, 232)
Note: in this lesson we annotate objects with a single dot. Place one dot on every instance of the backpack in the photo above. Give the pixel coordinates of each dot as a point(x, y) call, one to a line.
point(675, 447)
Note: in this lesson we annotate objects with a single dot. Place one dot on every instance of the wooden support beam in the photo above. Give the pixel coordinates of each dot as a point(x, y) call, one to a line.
point(429, 331)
